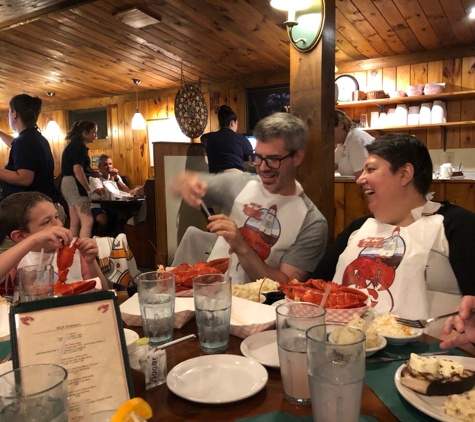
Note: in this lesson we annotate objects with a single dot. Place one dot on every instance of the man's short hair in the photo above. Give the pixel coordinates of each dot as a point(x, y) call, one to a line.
point(103, 157)
point(15, 210)
point(282, 126)
point(226, 115)
point(399, 149)
point(348, 124)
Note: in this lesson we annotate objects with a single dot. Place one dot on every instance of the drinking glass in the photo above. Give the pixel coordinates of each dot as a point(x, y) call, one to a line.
point(35, 282)
point(212, 295)
point(156, 292)
point(293, 320)
point(35, 392)
point(335, 373)
point(364, 121)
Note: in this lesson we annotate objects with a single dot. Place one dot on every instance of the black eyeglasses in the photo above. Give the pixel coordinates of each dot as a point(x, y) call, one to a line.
point(271, 162)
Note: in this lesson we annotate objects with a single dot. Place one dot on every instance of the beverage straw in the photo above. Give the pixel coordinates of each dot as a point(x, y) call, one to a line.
point(171, 343)
point(61, 349)
point(86, 416)
point(325, 296)
point(368, 321)
point(40, 262)
point(229, 266)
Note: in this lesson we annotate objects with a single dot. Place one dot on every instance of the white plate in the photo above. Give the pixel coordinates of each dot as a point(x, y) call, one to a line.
point(217, 378)
point(373, 350)
point(279, 302)
point(4, 323)
point(130, 340)
point(431, 405)
point(458, 177)
point(399, 341)
point(263, 348)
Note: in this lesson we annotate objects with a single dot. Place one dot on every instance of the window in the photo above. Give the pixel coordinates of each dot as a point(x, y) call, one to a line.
point(97, 115)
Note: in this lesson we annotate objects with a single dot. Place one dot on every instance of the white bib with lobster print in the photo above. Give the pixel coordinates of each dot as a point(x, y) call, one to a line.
point(268, 222)
point(388, 263)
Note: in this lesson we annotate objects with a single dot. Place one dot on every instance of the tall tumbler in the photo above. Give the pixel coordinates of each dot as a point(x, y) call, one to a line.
point(293, 320)
point(156, 292)
point(213, 299)
point(335, 373)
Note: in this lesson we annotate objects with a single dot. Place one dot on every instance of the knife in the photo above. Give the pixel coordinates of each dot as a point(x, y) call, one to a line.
point(405, 357)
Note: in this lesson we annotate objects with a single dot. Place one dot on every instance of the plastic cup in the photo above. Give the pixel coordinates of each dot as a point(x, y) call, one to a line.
point(293, 320)
point(212, 295)
point(156, 292)
point(335, 373)
point(34, 283)
point(35, 392)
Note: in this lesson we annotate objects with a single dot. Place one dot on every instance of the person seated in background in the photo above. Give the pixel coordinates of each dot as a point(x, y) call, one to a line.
point(32, 222)
point(268, 223)
point(226, 149)
point(105, 219)
point(411, 255)
point(350, 153)
point(463, 324)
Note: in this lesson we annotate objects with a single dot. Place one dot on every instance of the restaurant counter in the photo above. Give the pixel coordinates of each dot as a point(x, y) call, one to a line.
point(169, 407)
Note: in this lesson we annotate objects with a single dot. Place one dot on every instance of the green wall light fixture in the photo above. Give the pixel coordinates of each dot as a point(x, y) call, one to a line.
point(304, 21)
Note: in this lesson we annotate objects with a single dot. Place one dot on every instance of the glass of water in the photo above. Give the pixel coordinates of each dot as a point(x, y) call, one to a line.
point(34, 393)
point(156, 292)
point(212, 295)
point(335, 372)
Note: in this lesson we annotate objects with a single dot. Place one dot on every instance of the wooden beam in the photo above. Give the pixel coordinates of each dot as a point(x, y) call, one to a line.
point(407, 59)
point(62, 6)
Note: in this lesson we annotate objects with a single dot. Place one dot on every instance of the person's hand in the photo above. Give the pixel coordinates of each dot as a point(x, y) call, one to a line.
point(464, 323)
point(222, 225)
point(51, 238)
point(87, 247)
point(114, 174)
point(192, 189)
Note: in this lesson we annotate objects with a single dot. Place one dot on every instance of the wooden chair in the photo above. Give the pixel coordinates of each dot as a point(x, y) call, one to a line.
point(142, 238)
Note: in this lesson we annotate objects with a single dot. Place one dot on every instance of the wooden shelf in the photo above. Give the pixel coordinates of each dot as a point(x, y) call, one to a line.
point(462, 95)
point(420, 127)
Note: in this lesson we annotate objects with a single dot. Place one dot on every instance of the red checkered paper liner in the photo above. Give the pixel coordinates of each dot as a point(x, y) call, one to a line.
point(335, 315)
point(248, 318)
point(130, 311)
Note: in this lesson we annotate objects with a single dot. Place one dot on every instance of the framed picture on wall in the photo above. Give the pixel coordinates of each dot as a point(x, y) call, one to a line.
point(95, 161)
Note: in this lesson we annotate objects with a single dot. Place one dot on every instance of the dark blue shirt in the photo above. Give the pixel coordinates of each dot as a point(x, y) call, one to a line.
point(31, 151)
point(226, 149)
point(76, 152)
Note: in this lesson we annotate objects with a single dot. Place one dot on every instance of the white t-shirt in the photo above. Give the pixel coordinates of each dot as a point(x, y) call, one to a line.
point(351, 155)
point(97, 183)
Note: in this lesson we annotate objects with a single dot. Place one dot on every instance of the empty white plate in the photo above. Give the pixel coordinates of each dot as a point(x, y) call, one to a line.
point(217, 378)
point(263, 348)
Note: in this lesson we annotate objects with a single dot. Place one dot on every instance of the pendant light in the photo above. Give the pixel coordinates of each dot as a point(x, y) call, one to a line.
point(138, 121)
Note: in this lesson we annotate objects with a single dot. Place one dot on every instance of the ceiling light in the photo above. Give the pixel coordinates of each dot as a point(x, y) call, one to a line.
point(51, 94)
point(138, 121)
point(471, 12)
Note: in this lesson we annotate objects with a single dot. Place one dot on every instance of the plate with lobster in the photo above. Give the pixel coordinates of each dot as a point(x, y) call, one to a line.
point(184, 274)
point(341, 305)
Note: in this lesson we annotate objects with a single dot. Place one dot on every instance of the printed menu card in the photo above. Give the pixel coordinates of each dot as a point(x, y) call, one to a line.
point(82, 333)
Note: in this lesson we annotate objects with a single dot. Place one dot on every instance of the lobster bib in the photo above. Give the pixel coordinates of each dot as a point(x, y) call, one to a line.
point(388, 263)
point(268, 222)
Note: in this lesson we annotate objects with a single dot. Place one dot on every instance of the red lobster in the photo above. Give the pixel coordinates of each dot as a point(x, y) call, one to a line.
point(184, 273)
point(255, 241)
point(341, 297)
point(64, 261)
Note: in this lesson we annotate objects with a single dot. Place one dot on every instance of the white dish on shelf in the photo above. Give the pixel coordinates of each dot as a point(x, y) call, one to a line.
point(458, 177)
point(217, 379)
point(263, 348)
point(382, 343)
point(431, 405)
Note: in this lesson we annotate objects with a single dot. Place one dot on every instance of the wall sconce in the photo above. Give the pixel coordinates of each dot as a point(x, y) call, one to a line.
point(304, 21)
point(471, 12)
point(52, 130)
point(138, 121)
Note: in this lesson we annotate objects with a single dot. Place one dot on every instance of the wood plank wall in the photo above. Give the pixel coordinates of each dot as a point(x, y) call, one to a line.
point(130, 152)
point(458, 75)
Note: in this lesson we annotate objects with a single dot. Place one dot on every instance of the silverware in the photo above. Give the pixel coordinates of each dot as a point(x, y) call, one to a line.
point(404, 357)
point(205, 209)
point(422, 323)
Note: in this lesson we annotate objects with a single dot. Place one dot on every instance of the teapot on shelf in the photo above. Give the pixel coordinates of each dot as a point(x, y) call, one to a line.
point(446, 171)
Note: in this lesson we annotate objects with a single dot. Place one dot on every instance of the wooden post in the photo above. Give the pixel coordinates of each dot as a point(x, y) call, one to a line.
point(312, 98)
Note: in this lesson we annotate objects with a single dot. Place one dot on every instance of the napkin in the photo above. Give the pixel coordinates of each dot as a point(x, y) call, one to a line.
point(380, 378)
point(287, 417)
point(184, 311)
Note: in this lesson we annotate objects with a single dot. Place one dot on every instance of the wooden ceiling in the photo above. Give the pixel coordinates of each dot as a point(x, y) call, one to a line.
point(81, 49)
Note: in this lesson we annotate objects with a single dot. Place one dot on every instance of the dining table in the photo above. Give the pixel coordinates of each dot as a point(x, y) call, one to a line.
point(269, 403)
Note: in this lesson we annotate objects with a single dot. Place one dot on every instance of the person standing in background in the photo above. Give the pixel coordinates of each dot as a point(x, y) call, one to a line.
point(30, 165)
point(350, 154)
point(226, 149)
point(76, 169)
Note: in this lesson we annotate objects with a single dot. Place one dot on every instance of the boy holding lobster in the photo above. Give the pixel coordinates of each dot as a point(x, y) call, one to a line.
point(32, 221)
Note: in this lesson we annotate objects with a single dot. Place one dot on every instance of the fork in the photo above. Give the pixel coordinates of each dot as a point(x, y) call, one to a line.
point(422, 323)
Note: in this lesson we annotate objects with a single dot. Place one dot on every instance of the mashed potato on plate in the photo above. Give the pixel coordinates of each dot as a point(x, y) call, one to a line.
point(250, 291)
point(461, 406)
point(372, 339)
point(387, 325)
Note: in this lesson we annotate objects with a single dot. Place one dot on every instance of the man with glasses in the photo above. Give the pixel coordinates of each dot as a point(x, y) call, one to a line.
point(268, 224)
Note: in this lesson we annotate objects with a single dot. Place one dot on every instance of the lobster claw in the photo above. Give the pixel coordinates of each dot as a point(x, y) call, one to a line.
point(74, 288)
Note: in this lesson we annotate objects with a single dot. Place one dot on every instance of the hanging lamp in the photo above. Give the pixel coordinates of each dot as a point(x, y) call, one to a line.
point(138, 121)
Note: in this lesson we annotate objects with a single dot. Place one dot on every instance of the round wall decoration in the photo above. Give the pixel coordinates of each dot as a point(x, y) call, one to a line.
point(190, 111)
